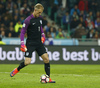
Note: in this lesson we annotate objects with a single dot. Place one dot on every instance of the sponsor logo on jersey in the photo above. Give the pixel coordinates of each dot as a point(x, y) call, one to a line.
point(33, 23)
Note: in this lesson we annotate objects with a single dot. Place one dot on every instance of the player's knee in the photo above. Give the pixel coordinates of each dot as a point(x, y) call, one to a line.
point(46, 60)
point(27, 61)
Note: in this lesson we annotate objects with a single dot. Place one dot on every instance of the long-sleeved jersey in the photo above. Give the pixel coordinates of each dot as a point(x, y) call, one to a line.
point(33, 26)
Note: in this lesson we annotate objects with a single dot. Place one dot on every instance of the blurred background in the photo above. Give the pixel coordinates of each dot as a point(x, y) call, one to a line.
point(65, 22)
point(74, 23)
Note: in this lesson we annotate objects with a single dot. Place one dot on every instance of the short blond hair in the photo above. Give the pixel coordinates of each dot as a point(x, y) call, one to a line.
point(38, 6)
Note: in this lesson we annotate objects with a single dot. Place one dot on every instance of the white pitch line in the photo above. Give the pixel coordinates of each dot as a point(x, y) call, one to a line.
point(57, 74)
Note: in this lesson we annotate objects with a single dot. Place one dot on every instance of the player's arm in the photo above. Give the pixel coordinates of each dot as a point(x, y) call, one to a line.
point(43, 35)
point(24, 28)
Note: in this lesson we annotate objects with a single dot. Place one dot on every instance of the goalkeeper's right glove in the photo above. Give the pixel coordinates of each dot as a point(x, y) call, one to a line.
point(23, 47)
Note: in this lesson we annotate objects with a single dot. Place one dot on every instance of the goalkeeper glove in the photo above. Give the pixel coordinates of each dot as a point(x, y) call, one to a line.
point(43, 38)
point(23, 47)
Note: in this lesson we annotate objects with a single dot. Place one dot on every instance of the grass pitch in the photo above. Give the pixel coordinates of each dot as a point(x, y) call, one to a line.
point(66, 76)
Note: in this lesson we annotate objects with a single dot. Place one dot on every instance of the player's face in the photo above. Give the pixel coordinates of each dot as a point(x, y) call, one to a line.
point(38, 12)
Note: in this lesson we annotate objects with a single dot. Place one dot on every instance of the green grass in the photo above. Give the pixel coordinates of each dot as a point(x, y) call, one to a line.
point(66, 76)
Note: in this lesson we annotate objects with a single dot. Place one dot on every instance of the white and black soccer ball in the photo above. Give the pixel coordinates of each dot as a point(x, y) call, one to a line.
point(44, 78)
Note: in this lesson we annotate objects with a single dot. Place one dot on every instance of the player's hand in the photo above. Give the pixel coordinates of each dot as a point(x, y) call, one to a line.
point(43, 39)
point(23, 48)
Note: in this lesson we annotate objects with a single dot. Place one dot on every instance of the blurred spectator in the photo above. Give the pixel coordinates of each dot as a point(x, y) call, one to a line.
point(83, 5)
point(8, 15)
point(6, 21)
point(82, 21)
point(54, 26)
point(74, 24)
point(32, 7)
point(25, 2)
point(90, 33)
point(91, 15)
point(98, 5)
point(3, 25)
point(11, 32)
point(1, 42)
point(89, 22)
point(49, 35)
point(52, 33)
point(2, 2)
point(9, 35)
point(67, 35)
point(97, 15)
point(22, 14)
point(11, 24)
point(93, 5)
point(2, 34)
point(9, 8)
point(47, 27)
point(82, 14)
point(25, 9)
point(80, 31)
point(10, 3)
point(22, 19)
point(16, 13)
point(15, 8)
point(1, 21)
point(44, 23)
point(75, 15)
point(97, 24)
point(96, 35)
point(74, 9)
point(66, 19)
point(59, 34)
point(15, 19)
point(60, 13)
point(17, 26)
point(90, 26)
point(71, 3)
point(1, 9)
point(18, 4)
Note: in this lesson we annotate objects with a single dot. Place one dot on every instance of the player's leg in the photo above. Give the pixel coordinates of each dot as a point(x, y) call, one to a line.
point(46, 63)
point(28, 55)
point(42, 52)
point(22, 65)
point(25, 63)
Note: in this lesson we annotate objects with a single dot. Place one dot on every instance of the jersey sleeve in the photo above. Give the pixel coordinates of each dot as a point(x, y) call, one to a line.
point(42, 30)
point(24, 28)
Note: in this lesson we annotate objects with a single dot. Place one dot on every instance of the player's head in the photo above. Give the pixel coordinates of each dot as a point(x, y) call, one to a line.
point(38, 9)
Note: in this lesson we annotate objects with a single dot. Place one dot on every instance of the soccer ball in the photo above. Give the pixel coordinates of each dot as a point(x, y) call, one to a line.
point(44, 79)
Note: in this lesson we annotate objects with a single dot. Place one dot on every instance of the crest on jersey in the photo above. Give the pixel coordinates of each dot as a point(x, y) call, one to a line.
point(41, 21)
point(27, 53)
point(24, 24)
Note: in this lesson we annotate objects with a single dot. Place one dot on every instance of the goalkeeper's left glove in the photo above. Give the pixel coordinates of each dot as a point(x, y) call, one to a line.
point(23, 47)
point(43, 38)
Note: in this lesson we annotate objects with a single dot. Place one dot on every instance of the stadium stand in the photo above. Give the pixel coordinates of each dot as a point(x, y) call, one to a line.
point(75, 18)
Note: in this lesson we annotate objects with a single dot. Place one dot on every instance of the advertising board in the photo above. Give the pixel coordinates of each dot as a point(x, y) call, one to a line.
point(11, 54)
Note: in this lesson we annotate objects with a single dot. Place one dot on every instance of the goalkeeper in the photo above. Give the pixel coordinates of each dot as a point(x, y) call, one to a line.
point(33, 26)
